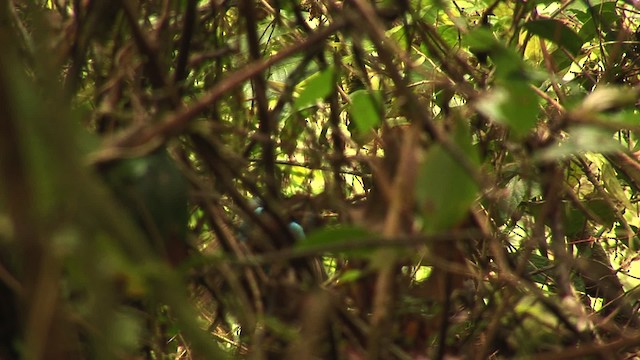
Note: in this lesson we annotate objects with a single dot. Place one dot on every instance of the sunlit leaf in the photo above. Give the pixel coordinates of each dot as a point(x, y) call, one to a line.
point(557, 32)
point(575, 221)
point(605, 98)
point(623, 236)
point(605, 16)
point(613, 186)
point(509, 64)
point(315, 88)
point(581, 140)
point(575, 217)
point(601, 209)
point(397, 33)
point(337, 236)
point(364, 110)
point(350, 276)
point(515, 105)
point(627, 116)
point(481, 39)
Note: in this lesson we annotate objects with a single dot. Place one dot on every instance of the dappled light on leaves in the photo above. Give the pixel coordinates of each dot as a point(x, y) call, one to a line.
point(279, 179)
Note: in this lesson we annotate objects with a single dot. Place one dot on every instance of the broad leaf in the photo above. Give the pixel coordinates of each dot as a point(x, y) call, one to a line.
point(606, 16)
point(576, 219)
point(557, 32)
point(509, 64)
point(580, 141)
point(338, 236)
point(515, 105)
point(613, 186)
point(605, 98)
point(623, 236)
point(364, 111)
point(481, 39)
point(315, 88)
point(445, 189)
point(516, 191)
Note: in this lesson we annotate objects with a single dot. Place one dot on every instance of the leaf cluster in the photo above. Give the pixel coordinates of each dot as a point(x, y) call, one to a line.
point(319, 179)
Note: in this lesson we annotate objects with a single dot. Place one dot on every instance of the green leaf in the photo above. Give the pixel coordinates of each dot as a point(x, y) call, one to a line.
point(444, 188)
point(449, 34)
point(575, 219)
point(581, 140)
point(627, 116)
point(561, 60)
point(606, 15)
point(397, 34)
point(509, 64)
point(515, 104)
point(613, 186)
point(350, 276)
point(314, 88)
point(516, 190)
point(127, 329)
point(364, 111)
point(292, 129)
point(336, 236)
point(605, 98)
point(481, 39)
point(539, 268)
point(557, 32)
point(600, 208)
point(623, 236)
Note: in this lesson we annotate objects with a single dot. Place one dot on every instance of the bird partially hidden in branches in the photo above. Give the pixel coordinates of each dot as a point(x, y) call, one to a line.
point(246, 231)
point(153, 190)
point(263, 234)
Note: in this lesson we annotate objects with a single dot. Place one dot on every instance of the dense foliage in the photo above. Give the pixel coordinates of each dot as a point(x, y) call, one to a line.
point(204, 179)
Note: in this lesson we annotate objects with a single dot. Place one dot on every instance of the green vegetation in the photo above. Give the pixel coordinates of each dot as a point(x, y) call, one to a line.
point(280, 179)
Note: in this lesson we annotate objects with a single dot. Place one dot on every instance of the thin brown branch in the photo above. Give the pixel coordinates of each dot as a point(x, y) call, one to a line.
point(356, 244)
point(265, 122)
point(188, 26)
point(176, 122)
